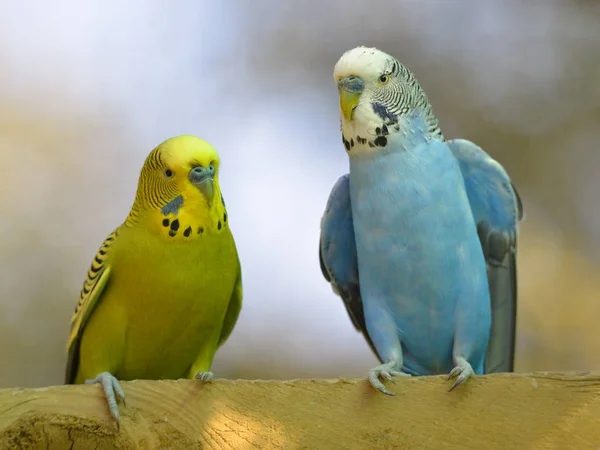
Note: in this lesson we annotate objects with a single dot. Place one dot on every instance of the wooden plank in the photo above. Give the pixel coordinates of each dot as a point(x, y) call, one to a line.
point(502, 411)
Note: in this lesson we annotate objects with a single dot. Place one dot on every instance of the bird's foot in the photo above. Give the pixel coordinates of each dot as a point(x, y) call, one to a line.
point(387, 371)
point(463, 371)
point(112, 390)
point(205, 377)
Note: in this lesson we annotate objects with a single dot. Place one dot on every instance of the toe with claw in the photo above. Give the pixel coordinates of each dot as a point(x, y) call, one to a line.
point(463, 371)
point(113, 391)
point(205, 377)
point(385, 371)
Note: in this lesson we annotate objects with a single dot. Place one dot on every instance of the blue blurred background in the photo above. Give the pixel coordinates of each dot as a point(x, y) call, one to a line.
point(87, 89)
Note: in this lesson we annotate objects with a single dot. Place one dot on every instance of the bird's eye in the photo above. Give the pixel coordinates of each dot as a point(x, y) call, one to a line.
point(384, 78)
point(168, 173)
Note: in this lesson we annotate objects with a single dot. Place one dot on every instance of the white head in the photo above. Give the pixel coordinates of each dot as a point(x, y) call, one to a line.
point(376, 93)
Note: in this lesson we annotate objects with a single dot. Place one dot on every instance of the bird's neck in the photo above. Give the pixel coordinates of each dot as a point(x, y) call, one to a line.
point(397, 135)
point(183, 219)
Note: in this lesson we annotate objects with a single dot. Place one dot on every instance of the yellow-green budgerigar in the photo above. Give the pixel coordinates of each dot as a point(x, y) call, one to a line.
point(164, 290)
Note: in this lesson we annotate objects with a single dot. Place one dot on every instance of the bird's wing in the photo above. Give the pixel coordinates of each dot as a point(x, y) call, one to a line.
point(337, 254)
point(233, 310)
point(93, 287)
point(497, 210)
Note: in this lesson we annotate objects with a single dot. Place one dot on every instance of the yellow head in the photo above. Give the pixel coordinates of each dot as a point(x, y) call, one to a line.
point(179, 178)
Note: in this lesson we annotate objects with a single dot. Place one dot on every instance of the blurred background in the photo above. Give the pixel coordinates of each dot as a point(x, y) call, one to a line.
point(87, 89)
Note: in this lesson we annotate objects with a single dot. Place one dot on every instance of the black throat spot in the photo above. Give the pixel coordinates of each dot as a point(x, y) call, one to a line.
point(380, 140)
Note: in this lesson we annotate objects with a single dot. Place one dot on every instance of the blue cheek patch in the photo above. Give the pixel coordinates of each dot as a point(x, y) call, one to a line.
point(383, 112)
point(173, 206)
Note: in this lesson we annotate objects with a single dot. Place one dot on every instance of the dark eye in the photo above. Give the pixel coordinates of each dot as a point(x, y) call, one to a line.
point(384, 78)
point(168, 173)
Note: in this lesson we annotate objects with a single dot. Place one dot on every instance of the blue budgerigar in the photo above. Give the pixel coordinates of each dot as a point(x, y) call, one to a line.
point(419, 239)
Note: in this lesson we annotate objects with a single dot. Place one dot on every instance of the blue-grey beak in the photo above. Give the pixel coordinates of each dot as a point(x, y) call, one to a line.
point(203, 178)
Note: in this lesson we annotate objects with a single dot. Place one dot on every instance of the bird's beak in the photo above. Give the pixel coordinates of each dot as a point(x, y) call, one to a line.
point(204, 179)
point(350, 89)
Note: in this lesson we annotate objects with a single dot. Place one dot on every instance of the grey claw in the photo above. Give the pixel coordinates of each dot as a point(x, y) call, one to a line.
point(380, 387)
point(387, 372)
point(118, 390)
point(386, 392)
point(455, 371)
point(205, 377)
point(461, 379)
point(464, 371)
point(112, 390)
point(456, 383)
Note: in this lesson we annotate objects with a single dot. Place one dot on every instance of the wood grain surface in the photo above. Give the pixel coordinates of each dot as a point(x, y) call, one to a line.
point(502, 411)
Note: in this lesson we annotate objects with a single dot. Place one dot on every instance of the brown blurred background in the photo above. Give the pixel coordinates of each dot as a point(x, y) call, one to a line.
point(87, 90)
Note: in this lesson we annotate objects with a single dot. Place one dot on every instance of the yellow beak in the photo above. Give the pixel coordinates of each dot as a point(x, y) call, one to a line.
point(350, 90)
point(348, 102)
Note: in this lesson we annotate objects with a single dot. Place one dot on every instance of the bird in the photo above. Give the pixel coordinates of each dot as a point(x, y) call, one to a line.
point(419, 238)
point(164, 291)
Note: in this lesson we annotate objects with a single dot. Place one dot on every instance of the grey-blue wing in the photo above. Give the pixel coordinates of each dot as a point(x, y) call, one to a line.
point(497, 210)
point(337, 254)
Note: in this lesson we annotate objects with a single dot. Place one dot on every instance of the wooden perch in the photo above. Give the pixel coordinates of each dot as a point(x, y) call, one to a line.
point(506, 411)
